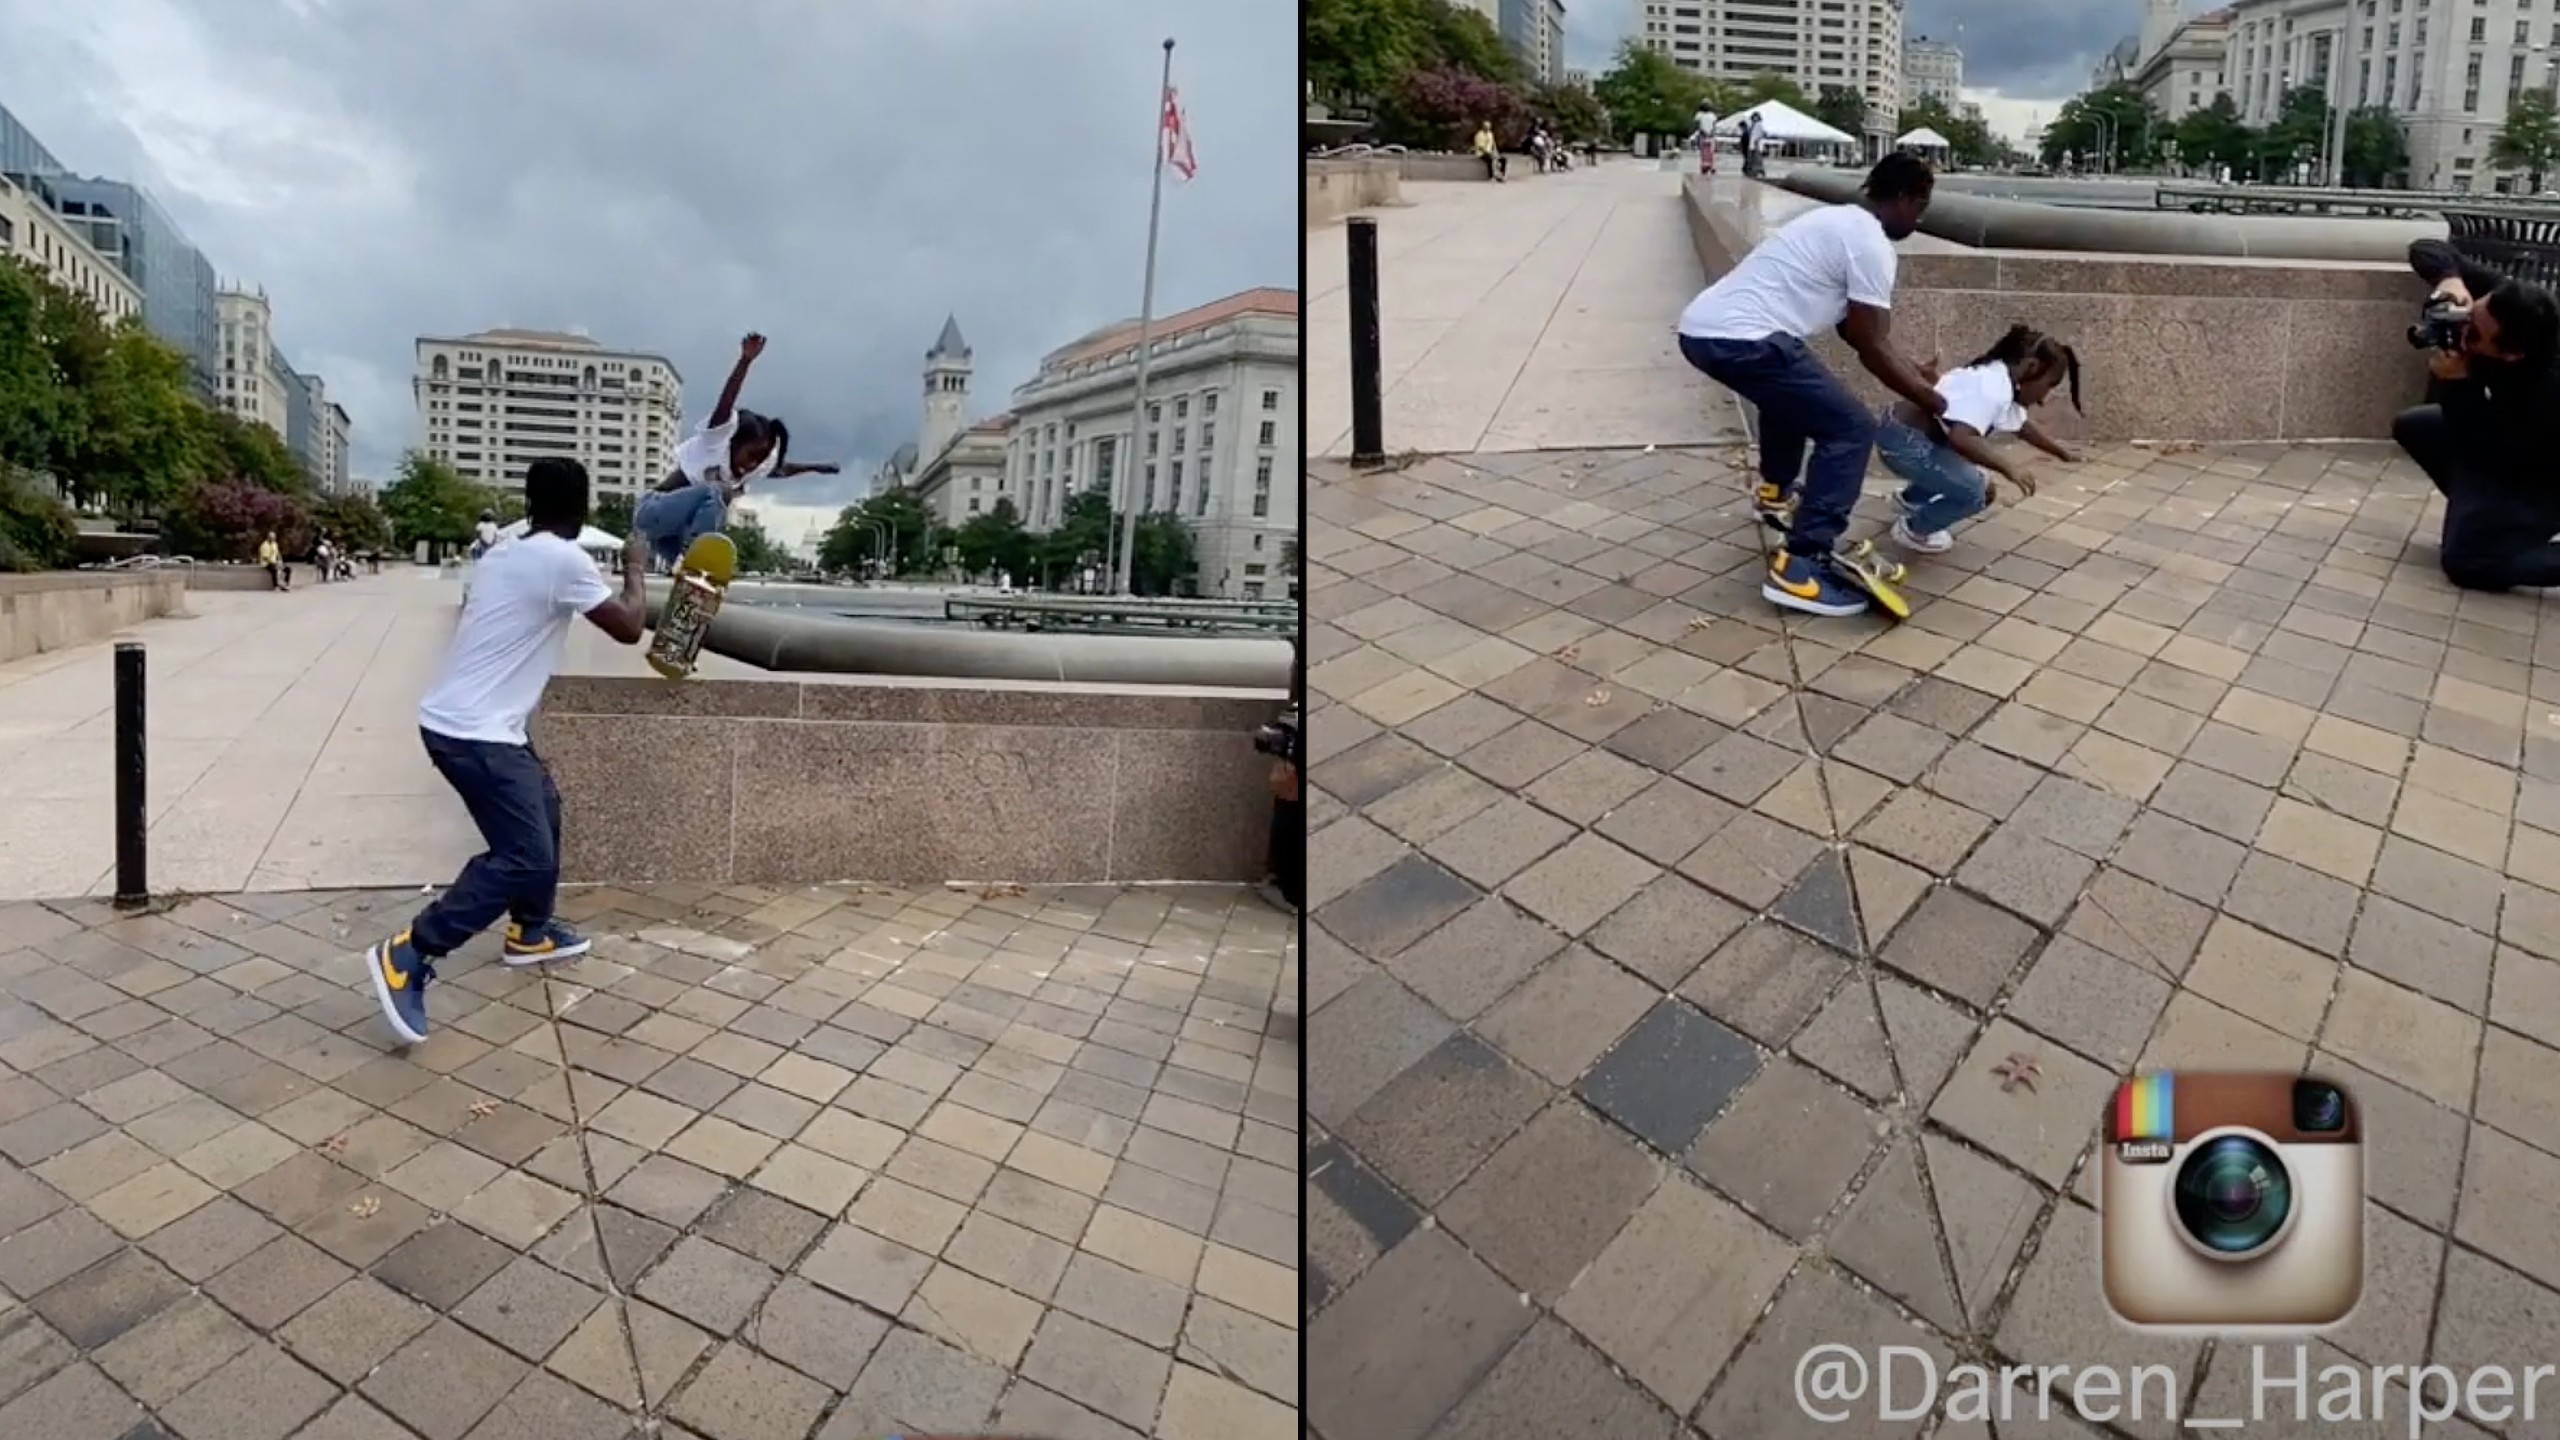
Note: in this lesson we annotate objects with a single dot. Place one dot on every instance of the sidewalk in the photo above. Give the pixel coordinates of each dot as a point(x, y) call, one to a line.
point(1528, 316)
point(284, 747)
point(1690, 988)
point(841, 1162)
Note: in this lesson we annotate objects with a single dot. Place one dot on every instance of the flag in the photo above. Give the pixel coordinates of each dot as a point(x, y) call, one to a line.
point(1177, 138)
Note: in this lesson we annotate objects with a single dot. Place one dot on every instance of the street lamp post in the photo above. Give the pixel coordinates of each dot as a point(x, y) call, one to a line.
point(2334, 163)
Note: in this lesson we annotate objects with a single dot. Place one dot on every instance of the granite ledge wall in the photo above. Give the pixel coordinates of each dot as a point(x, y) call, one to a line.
point(55, 610)
point(1339, 188)
point(784, 782)
point(2171, 348)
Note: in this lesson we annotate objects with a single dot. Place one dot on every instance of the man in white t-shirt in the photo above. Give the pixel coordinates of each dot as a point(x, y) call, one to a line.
point(1831, 268)
point(524, 594)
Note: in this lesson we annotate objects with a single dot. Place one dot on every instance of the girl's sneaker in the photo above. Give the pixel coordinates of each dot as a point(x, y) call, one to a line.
point(1935, 542)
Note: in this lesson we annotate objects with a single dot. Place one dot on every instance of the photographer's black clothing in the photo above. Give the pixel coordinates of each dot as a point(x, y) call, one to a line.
point(2487, 441)
point(2498, 527)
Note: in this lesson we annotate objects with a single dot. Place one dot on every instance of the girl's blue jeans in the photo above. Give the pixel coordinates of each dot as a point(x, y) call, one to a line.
point(1941, 487)
point(674, 519)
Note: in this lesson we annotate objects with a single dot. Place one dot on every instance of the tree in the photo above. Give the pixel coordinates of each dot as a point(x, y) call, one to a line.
point(1453, 37)
point(35, 407)
point(1354, 51)
point(37, 531)
point(1970, 142)
point(430, 502)
point(994, 542)
point(612, 513)
point(1770, 85)
point(889, 525)
point(2114, 125)
point(2214, 136)
point(237, 449)
point(1165, 561)
point(2530, 138)
point(1841, 107)
point(1571, 111)
point(1440, 109)
point(1645, 94)
point(2377, 149)
point(756, 551)
point(225, 520)
point(354, 521)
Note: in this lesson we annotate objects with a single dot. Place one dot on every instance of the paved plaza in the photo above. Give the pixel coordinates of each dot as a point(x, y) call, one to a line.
point(283, 746)
point(842, 1161)
point(1690, 987)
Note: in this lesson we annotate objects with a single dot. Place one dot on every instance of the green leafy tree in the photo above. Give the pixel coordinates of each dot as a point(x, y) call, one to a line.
point(994, 541)
point(2530, 139)
point(37, 531)
point(430, 502)
point(2377, 148)
point(1354, 51)
point(2214, 136)
point(1645, 94)
point(891, 523)
point(36, 409)
point(354, 521)
point(2115, 124)
point(756, 551)
point(1166, 562)
point(1079, 541)
point(612, 513)
point(1439, 109)
point(237, 449)
point(1841, 107)
point(1970, 142)
point(1573, 112)
point(2298, 135)
point(1456, 37)
point(1770, 85)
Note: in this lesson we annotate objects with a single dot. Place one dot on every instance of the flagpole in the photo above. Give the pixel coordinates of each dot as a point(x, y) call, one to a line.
point(1126, 577)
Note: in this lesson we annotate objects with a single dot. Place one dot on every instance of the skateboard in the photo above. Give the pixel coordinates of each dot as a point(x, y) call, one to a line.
point(1858, 563)
point(701, 579)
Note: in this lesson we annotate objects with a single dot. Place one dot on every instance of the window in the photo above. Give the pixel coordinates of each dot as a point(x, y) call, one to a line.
point(1270, 434)
point(1147, 496)
point(1208, 436)
point(1208, 402)
point(1270, 400)
point(1181, 440)
point(1182, 407)
point(1262, 489)
point(1155, 412)
point(1152, 437)
point(1173, 500)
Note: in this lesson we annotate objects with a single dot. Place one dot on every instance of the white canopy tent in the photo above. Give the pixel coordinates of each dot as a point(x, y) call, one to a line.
point(1923, 138)
point(1784, 124)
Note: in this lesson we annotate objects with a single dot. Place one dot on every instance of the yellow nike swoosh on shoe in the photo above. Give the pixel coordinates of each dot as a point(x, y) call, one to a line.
point(1807, 590)
point(390, 975)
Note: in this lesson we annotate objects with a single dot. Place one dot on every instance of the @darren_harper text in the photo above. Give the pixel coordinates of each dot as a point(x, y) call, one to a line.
point(2283, 1392)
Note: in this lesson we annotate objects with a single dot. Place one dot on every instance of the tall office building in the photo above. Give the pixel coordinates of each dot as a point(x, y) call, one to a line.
point(331, 435)
point(1533, 30)
point(1818, 44)
point(1932, 70)
point(492, 403)
point(31, 231)
point(255, 378)
point(1221, 449)
point(123, 224)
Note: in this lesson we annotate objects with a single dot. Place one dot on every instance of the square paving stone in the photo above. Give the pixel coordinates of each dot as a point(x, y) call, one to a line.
point(2402, 1035)
point(981, 1317)
point(1019, 1259)
point(2197, 1034)
point(157, 1360)
point(859, 1265)
point(1960, 945)
point(2434, 956)
point(1789, 1147)
point(440, 1265)
point(1436, 1122)
point(442, 1382)
point(711, 1285)
point(2139, 923)
point(1676, 1291)
point(1921, 829)
point(2272, 981)
point(76, 1403)
point(1417, 1332)
point(764, 1226)
point(1765, 981)
point(1574, 888)
point(109, 1298)
point(528, 1307)
point(1752, 860)
point(353, 1328)
point(2040, 1128)
point(2027, 874)
point(817, 1334)
point(1569, 1011)
point(1663, 932)
point(2076, 816)
point(2283, 898)
point(741, 1395)
point(259, 1394)
point(544, 1408)
point(915, 1383)
point(1468, 963)
point(1670, 1075)
point(275, 1283)
point(2090, 1001)
point(1398, 906)
point(668, 1190)
point(211, 1240)
point(1546, 1203)
point(1757, 1398)
point(1552, 1384)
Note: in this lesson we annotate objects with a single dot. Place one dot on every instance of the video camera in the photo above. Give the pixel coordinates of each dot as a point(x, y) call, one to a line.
point(2441, 324)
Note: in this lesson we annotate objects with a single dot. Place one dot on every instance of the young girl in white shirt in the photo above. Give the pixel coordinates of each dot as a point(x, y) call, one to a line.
point(1942, 464)
point(713, 467)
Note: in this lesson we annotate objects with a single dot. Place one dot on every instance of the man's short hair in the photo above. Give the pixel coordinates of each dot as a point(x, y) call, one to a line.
point(555, 492)
point(2528, 318)
point(1901, 176)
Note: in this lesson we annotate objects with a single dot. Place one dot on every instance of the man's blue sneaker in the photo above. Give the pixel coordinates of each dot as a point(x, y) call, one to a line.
point(542, 941)
point(1808, 585)
point(400, 979)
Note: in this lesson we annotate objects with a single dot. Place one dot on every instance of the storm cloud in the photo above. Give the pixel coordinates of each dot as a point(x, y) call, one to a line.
point(668, 174)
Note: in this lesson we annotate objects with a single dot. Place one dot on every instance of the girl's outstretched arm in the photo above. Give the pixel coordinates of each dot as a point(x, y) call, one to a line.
point(2048, 444)
point(722, 413)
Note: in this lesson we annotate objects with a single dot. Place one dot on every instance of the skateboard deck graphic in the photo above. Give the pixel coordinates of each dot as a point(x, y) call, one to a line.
point(701, 579)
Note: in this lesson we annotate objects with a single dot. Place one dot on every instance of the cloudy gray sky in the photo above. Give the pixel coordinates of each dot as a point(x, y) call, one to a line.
point(667, 174)
point(2020, 60)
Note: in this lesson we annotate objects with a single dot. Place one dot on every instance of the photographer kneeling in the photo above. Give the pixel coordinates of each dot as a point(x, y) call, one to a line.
point(2489, 433)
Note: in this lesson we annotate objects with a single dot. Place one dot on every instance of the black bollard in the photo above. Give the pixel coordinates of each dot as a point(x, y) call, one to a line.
point(1368, 400)
point(133, 885)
